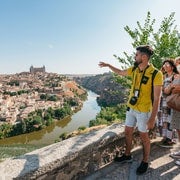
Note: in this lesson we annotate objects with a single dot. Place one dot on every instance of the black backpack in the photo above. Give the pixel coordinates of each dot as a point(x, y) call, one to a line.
point(152, 89)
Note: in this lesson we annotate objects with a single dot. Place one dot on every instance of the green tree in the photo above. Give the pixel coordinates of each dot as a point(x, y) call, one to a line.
point(39, 112)
point(48, 119)
point(52, 98)
point(165, 42)
point(50, 111)
point(72, 102)
point(37, 120)
point(60, 113)
point(5, 130)
point(43, 96)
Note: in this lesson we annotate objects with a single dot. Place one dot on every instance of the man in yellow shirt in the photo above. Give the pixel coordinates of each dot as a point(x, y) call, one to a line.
point(141, 111)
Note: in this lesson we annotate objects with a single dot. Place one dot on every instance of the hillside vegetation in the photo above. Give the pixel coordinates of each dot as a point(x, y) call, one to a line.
point(110, 92)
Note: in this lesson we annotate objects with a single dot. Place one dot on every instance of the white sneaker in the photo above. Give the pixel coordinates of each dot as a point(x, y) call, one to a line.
point(175, 155)
point(177, 162)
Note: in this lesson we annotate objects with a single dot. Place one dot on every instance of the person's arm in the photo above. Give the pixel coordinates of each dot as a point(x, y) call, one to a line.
point(176, 89)
point(173, 87)
point(114, 69)
point(157, 95)
point(168, 89)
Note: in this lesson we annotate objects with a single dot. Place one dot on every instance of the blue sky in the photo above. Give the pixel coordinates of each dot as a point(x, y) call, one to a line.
point(72, 36)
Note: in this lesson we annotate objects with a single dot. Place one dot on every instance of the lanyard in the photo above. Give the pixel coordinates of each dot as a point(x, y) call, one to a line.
point(135, 78)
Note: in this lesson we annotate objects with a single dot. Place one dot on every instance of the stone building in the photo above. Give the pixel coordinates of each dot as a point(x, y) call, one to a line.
point(37, 69)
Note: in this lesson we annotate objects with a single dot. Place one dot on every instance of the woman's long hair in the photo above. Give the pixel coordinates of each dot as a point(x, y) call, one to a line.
point(172, 64)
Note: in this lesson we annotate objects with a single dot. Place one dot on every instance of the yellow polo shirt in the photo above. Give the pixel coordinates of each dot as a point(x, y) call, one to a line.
point(144, 102)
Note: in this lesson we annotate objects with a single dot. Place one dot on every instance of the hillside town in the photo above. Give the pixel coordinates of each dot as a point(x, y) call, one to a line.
point(25, 92)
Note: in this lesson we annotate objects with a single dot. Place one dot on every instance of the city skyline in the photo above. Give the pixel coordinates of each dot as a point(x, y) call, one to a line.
point(71, 37)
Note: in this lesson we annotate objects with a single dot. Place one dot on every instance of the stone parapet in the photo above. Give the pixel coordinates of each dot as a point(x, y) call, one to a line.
point(70, 159)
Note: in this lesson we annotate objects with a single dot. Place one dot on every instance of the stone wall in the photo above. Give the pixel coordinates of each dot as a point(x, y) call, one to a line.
point(70, 159)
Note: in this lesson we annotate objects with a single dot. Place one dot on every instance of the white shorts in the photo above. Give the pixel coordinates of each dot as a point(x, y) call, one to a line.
point(135, 118)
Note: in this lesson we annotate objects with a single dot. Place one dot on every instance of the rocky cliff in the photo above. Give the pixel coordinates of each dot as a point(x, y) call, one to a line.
point(110, 92)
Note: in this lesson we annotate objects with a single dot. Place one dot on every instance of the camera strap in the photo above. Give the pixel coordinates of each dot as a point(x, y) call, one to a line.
point(135, 78)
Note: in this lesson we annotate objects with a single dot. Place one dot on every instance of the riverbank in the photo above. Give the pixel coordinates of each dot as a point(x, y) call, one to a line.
point(51, 133)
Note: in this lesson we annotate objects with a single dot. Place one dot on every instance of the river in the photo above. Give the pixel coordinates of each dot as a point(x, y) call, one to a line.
point(51, 133)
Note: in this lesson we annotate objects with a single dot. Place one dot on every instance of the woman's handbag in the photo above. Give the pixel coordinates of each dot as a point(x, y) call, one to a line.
point(173, 101)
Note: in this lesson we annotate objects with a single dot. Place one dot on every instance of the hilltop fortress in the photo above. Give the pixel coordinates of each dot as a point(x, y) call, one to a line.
point(37, 69)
